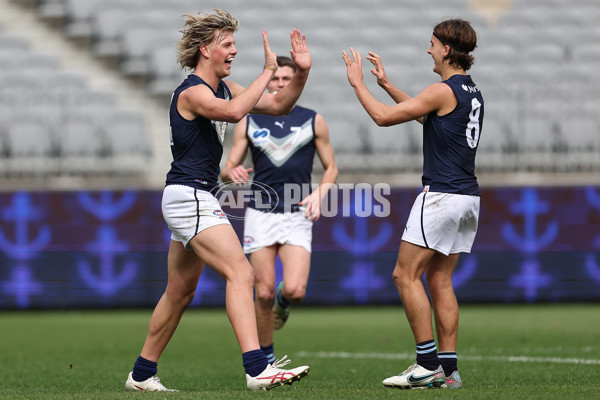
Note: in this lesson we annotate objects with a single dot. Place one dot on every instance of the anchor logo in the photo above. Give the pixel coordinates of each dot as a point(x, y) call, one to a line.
point(24, 248)
point(107, 246)
point(363, 278)
point(591, 265)
point(530, 278)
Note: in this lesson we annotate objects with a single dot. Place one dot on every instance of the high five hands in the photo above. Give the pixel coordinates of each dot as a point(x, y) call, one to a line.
point(299, 52)
point(354, 67)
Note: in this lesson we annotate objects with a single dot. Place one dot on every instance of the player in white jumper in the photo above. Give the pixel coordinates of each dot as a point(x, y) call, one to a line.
point(444, 217)
point(201, 108)
point(283, 150)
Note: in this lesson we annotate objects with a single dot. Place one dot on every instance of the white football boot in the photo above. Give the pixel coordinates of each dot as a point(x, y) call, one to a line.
point(415, 377)
point(151, 384)
point(274, 376)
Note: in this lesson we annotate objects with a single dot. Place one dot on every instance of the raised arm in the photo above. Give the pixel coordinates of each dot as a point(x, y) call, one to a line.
point(200, 99)
point(382, 80)
point(429, 100)
point(283, 101)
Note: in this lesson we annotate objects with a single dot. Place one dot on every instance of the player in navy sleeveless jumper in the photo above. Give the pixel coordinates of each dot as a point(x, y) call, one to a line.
point(199, 113)
point(444, 217)
point(283, 150)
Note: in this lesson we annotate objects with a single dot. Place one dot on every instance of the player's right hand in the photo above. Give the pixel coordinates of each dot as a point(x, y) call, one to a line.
point(240, 175)
point(270, 57)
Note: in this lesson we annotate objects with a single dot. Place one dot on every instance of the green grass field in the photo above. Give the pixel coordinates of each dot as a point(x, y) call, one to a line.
point(505, 352)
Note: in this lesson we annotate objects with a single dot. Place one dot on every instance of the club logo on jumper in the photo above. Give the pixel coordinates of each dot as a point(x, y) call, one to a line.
point(260, 136)
point(280, 149)
point(220, 128)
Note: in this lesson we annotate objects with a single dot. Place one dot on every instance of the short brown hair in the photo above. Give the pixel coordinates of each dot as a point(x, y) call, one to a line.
point(461, 38)
point(283, 61)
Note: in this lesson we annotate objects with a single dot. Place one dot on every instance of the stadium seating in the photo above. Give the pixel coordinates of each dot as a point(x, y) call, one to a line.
point(530, 53)
point(51, 123)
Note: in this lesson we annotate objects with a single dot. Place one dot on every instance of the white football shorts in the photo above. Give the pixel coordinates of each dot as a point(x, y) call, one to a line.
point(262, 229)
point(188, 211)
point(445, 222)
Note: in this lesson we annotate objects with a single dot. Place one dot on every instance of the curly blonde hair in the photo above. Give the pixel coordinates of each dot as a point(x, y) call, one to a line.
point(201, 30)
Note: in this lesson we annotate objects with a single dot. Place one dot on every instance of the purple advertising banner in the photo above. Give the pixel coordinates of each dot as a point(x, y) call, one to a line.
point(108, 249)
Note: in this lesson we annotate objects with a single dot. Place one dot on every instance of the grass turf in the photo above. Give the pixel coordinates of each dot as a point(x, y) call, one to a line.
point(87, 354)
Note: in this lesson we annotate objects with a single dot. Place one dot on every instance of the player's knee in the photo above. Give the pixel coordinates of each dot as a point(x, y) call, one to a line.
point(264, 295)
point(295, 294)
point(438, 281)
point(400, 278)
point(187, 299)
point(180, 298)
point(247, 275)
point(240, 273)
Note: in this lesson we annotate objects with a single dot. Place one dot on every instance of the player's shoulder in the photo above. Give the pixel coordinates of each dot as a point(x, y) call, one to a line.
point(437, 90)
point(298, 109)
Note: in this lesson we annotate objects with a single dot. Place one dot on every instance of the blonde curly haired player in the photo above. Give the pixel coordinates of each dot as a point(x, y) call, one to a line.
point(201, 107)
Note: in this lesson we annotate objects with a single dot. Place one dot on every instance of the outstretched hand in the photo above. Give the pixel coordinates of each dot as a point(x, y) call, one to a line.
point(270, 57)
point(378, 71)
point(299, 52)
point(353, 66)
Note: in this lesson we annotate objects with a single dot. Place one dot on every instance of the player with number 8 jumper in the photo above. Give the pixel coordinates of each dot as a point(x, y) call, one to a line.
point(443, 220)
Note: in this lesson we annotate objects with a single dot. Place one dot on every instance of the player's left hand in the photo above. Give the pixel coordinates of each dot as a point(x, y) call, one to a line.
point(353, 66)
point(299, 52)
point(312, 205)
point(378, 71)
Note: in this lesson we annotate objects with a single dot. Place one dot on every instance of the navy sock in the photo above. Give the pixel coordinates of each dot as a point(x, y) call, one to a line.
point(143, 369)
point(281, 300)
point(269, 353)
point(449, 361)
point(427, 355)
point(254, 362)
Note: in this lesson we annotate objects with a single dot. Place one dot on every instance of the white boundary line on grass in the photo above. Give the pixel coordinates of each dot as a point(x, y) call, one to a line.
point(407, 356)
